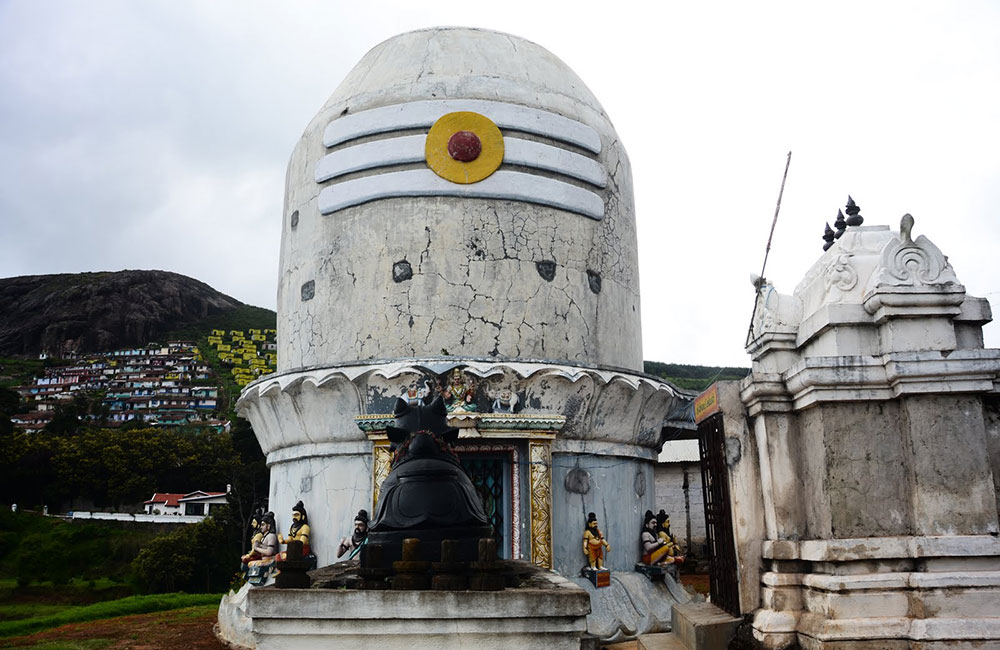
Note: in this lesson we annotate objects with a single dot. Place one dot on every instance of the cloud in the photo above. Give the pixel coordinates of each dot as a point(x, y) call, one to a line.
point(155, 134)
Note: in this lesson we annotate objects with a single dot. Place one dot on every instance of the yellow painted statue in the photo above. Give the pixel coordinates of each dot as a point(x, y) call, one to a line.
point(594, 544)
point(254, 539)
point(668, 540)
point(657, 547)
point(299, 530)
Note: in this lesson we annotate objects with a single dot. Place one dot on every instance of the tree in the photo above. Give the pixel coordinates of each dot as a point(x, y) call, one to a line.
point(195, 559)
point(10, 403)
point(249, 479)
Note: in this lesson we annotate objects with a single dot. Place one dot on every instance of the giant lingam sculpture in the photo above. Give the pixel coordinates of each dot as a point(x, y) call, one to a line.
point(459, 214)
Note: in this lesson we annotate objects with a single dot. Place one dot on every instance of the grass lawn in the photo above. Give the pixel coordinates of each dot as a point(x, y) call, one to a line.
point(45, 599)
point(72, 644)
point(110, 609)
point(189, 628)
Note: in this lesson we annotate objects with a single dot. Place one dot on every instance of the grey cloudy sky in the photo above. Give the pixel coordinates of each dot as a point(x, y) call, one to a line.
point(155, 134)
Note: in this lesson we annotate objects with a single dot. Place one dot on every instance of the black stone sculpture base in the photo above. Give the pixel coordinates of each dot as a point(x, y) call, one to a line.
point(655, 572)
point(466, 543)
point(292, 570)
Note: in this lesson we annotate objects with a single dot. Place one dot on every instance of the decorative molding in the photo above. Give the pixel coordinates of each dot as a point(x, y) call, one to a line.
point(486, 424)
point(774, 311)
point(908, 262)
point(867, 548)
point(520, 422)
point(422, 114)
point(832, 605)
point(381, 461)
point(506, 185)
point(374, 423)
point(886, 302)
point(288, 408)
point(840, 277)
point(409, 149)
point(540, 458)
point(871, 378)
point(483, 368)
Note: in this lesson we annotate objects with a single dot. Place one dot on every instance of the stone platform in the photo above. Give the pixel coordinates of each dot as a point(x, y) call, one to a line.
point(546, 611)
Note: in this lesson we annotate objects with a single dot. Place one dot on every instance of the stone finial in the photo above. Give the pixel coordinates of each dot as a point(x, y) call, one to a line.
point(854, 217)
point(906, 228)
point(828, 237)
point(840, 224)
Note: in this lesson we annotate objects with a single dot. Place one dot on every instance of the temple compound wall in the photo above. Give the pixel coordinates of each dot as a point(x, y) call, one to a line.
point(872, 420)
point(679, 492)
point(459, 221)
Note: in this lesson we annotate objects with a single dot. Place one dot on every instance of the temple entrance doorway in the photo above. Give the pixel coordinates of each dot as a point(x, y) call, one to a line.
point(723, 569)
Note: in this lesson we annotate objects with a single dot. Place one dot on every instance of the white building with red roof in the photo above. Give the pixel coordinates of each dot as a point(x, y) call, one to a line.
point(193, 504)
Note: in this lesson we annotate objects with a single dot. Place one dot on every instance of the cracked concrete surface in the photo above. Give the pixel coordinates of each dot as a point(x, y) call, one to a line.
point(475, 288)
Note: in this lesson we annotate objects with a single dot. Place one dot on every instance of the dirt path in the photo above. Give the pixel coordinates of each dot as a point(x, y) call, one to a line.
point(186, 629)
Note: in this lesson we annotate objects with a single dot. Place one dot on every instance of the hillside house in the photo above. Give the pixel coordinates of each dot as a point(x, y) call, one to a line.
point(202, 503)
point(31, 422)
point(164, 503)
point(193, 504)
point(149, 384)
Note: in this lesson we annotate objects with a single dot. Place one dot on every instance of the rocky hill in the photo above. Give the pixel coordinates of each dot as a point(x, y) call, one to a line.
point(88, 312)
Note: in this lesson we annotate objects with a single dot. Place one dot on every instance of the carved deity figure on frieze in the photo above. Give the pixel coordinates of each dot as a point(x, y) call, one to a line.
point(505, 401)
point(459, 392)
point(414, 395)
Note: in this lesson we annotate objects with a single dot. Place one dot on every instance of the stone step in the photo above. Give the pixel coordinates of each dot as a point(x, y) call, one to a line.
point(662, 641)
point(703, 626)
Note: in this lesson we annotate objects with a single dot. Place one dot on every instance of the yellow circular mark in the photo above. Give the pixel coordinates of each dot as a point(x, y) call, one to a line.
point(436, 149)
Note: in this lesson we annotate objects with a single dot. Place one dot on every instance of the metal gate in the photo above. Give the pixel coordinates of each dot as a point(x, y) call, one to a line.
point(723, 570)
point(490, 476)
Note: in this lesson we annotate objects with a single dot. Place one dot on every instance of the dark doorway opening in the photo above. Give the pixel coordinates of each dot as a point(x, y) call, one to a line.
point(723, 569)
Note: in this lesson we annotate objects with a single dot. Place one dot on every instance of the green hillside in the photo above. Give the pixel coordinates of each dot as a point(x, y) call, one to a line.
point(696, 378)
point(244, 317)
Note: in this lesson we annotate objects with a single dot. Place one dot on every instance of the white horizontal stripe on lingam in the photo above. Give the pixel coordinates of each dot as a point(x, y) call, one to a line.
point(422, 114)
point(410, 149)
point(508, 185)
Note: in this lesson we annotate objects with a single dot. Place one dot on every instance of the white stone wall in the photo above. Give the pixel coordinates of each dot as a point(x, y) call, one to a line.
point(424, 275)
point(685, 506)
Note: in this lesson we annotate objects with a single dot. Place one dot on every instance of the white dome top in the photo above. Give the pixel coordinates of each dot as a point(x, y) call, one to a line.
point(444, 62)
point(385, 256)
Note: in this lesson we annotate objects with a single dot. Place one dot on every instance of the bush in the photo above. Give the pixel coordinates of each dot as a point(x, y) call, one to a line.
point(194, 559)
point(36, 549)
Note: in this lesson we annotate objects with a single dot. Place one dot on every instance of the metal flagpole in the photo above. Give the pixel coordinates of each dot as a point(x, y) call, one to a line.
point(767, 250)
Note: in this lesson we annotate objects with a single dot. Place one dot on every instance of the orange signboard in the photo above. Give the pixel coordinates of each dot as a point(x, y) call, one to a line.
point(707, 403)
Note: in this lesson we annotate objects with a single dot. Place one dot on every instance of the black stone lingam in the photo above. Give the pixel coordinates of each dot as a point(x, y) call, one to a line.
point(427, 495)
